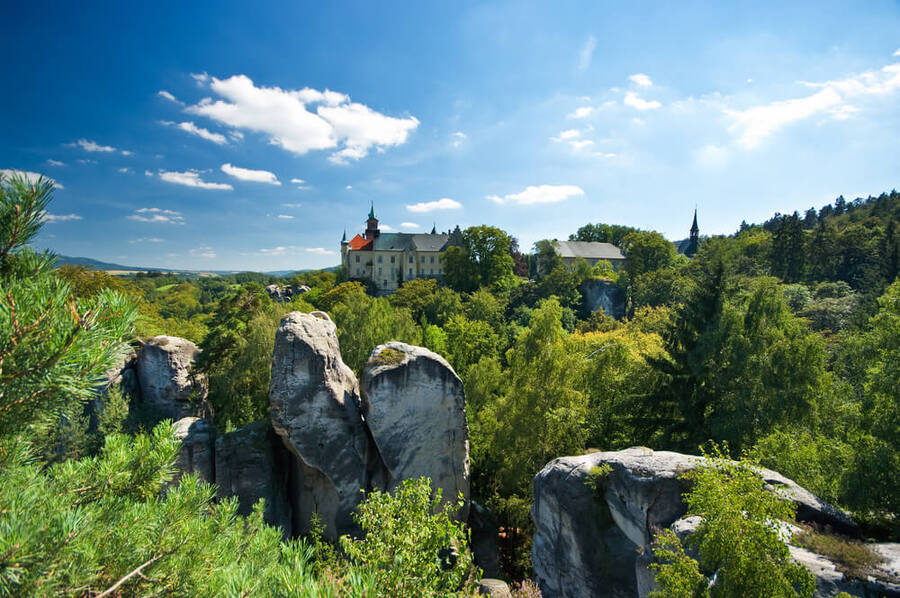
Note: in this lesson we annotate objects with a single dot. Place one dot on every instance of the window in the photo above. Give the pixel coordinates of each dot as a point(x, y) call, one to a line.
point(379, 259)
point(357, 259)
point(410, 271)
point(392, 259)
point(392, 273)
point(423, 259)
point(379, 271)
point(432, 259)
point(357, 272)
point(410, 259)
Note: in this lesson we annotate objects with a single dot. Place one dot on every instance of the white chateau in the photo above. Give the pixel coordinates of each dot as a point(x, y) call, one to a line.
point(390, 259)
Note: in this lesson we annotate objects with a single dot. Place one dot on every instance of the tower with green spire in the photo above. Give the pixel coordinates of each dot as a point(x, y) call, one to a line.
point(372, 223)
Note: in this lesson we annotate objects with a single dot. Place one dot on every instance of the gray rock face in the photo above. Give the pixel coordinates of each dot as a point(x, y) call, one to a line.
point(168, 386)
point(595, 542)
point(415, 408)
point(314, 402)
point(605, 295)
point(494, 587)
point(251, 463)
point(197, 452)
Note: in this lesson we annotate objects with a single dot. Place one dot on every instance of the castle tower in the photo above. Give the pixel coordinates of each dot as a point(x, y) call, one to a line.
point(372, 224)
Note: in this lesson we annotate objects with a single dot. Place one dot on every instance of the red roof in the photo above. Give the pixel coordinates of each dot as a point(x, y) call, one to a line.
point(358, 243)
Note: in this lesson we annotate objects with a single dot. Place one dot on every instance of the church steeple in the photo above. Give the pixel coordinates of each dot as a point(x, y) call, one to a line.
point(372, 223)
point(372, 211)
point(344, 238)
point(434, 229)
point(694, 240)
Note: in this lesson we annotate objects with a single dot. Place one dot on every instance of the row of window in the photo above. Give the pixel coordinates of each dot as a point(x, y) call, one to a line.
point(359, 272)
point(422, 259)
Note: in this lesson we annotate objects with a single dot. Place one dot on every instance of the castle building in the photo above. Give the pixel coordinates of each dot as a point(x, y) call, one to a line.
point(390, 259)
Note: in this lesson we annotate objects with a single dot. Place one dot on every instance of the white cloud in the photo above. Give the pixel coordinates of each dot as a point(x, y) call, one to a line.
point(292, 205)
point(319, 251)
point(348, 187)
point(587, 53)
point(84, 161)
point(147, 240)
point(539, 194)
point(53, 162)
point(445, 203)
point(191, 178)
point(458, 138)
point(200, 78)
point(165, 94)
point(148, 173)
point(30, 177)
point(51, 218)
point(204, 252)
point(567, 134)
point(285, 216)
point(582, 112)
point(157, 215)
point(93, 146)
point(641, 80)
point(303, 120)
point(410, 225)
point(127, 153)
point(190, 127)
point(124, 169)
point(580, 144)
point(897, 52)
point(632, 99)
point(280, 250)
point(298, 181)
point(254, 176)
point(755, 124)
point(386, 228)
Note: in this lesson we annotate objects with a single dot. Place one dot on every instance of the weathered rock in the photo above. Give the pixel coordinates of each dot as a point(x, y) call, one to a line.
point(197, 451)
point(168, 385)
point(314, 404)
point(415, 408)
point(484, 540)
point(589, 539)
point(494, 587)
point(251, 463)
point(605, 295)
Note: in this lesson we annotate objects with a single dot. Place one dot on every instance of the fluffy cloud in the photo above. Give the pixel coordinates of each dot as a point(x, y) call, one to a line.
point(755, 124)
point(51, 218)
point(587, 53)
point(190, 127)
point(191, 178)
point(458, 138)
point(582, 112)
point(280, 250)
point(568, 134)
point(285, 216)
point(204, 252)
point(53, 162)
point(298, 181)
point(409, 225)
point(445, 203)
point(30, 177)
point(303, 120)
point(254, 176)
point(93, 146)
point(124, 169)
point(165, 94)
point(292, 205)
point(641, 80)
point(539, 194)
point(293, 249)
point(632, 99)
point(157, 215)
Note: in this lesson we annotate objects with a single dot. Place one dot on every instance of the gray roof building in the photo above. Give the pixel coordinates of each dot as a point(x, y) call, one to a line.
point(410, 241)
point(588, 250)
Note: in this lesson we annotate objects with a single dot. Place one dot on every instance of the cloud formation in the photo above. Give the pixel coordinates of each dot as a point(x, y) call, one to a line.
point(641, 80)
point(165, 94)
point(632, 99)
point(319, 251)
point(191, 178)
point(147, 240)
point(190, 127)
point(587, 53)
point(445, 203)
point(539, 194)
point(157, 215)
point(53, 162)
point(409, 225)
point(204, 252)
point(254, 176)
point(285, 216)
point(30, 177)
point(52, 218)
point(303, 120)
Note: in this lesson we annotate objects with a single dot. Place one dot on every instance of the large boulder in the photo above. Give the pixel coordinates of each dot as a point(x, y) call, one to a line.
point(251, 463)
point(593, 539)
point(415, 408)
point(314, 405)
point(196, 454)
point(169, 387)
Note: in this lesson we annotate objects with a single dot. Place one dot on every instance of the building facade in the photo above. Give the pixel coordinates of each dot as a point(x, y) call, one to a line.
point(390, 259)
point(590, 251)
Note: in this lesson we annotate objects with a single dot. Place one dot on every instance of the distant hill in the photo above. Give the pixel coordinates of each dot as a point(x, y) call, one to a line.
point(63, 260)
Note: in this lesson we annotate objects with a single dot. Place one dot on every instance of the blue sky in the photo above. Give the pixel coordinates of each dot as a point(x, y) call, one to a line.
point(234, 135)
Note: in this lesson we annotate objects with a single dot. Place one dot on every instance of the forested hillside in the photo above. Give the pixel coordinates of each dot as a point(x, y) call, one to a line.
point(781, 342)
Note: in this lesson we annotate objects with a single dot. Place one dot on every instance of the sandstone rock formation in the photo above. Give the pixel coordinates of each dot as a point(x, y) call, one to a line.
point(251, 463)
point(314, 402)
point(415, 409)
point(605, 295)
point(196, 454)
point(168, 386)
point(596, 542)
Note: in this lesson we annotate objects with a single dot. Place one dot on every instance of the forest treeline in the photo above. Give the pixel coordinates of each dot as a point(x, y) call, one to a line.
point(781, 340)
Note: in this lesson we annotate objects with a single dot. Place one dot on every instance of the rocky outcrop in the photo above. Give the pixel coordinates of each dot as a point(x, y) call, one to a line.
point(496, 588)
point(603, 294)
point(284, 294)
point(314, 404)
point(124, 374)
point(196, 454)
point(595, 539)
point(251, 463)
point(169, 387)
point(415, 409)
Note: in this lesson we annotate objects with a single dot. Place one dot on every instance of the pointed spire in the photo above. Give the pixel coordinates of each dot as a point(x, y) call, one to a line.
point(434, 228)
point(344, 238)
point(694, 228)
point(372, 210)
